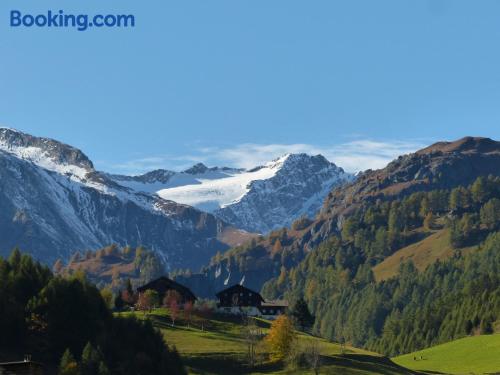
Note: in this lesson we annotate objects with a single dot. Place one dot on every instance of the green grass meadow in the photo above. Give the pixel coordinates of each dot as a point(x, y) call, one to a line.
point(220, 348)
point(470, 355)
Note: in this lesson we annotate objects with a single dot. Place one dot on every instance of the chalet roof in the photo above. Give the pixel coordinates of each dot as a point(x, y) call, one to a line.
point(237, 288)
point(20, 363)
point(168, 284)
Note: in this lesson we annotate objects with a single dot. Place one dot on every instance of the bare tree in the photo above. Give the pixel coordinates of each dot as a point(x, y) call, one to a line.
point(174, 310)
point(313, 355)
point(171, 301)
point(188, 312)
point(144, 302)
point(204, 312)
point(342, 346)
point(252, 334)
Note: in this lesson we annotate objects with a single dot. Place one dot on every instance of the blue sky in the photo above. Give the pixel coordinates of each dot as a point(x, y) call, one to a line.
point(239, 82)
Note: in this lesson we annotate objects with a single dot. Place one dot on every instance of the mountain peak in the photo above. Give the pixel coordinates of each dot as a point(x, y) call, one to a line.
point(464, 145)
point(443, 165)
point(160, 175)
point(54, 203)
point(303, 160)
point(45, 152)
point(196, 169)
point(257, 200)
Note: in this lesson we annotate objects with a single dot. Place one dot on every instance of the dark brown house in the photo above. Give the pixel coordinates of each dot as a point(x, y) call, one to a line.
point(163, 284)
point(26, 367)
point(240, 300)
point(273, 308)
point(239, 296)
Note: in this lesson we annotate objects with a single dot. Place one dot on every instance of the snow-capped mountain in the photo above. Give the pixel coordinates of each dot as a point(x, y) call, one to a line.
point(53, 203)
point(257, 200)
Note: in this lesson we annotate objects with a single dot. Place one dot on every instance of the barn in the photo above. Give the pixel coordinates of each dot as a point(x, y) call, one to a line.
point(271, 309)
point(238, 299)
point(163, 284)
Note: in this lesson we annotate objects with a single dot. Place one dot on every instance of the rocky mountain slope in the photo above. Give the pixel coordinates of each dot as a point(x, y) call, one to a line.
point(257, 200)
point(443, 165)
point(53, 202)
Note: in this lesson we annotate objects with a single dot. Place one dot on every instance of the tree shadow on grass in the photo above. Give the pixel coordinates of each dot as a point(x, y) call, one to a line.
point(372, 364)
point(227, 364)
point(166, 323)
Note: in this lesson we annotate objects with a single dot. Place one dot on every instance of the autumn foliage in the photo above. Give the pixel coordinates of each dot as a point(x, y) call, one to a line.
point(281, 338)
point(172, 300)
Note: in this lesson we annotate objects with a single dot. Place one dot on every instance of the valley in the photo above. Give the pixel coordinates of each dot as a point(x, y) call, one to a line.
point(401, 261)
point(250, 187)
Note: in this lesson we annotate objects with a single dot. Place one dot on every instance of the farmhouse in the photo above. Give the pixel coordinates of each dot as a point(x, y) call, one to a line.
point(271, 309)
point(26, 367)
point(163, 284)
point(240, 300)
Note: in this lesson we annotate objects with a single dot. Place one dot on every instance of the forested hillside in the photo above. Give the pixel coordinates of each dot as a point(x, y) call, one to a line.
point(443, 200)
point(440, 167)
point(111, 266)
point(450, 299)
point(66, 321)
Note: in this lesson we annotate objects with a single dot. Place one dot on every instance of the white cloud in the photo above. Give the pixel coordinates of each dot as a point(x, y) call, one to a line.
point(353, 156)
point(137, 166)
point(360, 155)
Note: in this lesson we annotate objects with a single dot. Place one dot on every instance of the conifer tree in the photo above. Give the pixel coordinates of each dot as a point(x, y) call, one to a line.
point(90, 360)
point(490, 214)
point(119, 303)
point(103, 369)
point(68, 364)
point(15, 259)
point(429, 221)
point(301, 314)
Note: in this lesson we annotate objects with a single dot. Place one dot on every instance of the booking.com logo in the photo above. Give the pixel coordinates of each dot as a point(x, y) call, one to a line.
point(81, 22)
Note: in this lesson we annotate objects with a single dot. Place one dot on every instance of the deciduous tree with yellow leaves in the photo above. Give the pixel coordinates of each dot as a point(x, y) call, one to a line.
point(281, 338)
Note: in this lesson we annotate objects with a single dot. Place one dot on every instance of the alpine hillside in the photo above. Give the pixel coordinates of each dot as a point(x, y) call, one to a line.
point(53, 203)
point(404, 258)
point(257, 200)
point(443, 165)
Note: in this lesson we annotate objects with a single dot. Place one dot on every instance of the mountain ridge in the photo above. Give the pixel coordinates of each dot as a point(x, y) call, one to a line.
point(53, 203)
point(259, 199)
point(428, 169)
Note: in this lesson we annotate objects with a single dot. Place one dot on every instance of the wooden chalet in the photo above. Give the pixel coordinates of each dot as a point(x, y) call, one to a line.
point(239, 296)
point(270, 309)
point(240, 300)
point(163, 284)
point(25, 367)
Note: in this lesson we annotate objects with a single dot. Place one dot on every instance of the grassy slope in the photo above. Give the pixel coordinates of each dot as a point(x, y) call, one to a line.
point(470, 355)
point(435, 245)
point(220, 349)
